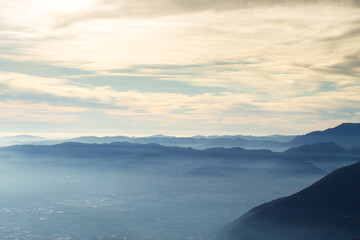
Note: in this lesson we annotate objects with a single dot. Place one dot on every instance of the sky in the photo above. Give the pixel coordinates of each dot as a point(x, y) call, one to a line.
point(178, 67)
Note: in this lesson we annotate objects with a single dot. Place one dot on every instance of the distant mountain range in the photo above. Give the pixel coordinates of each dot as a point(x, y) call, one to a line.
point(126, 149)
point(308, 159)
point(197, 142)
point(327, 210)
point(346, 135)
point(120, 150)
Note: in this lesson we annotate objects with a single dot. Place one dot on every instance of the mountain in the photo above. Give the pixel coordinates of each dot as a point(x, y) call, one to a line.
point(322, 151)
point(94, 139)
point(121, 150)
point(276, 138)
point(116, 150)
point(346, 135)
point(198, 142)
point(99, 151)
point(327, 210)
point(318, 148)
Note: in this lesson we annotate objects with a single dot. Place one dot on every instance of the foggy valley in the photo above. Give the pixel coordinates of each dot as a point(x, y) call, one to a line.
point(134, 191)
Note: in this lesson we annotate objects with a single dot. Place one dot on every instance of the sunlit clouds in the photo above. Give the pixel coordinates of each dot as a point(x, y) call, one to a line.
point(179, 67)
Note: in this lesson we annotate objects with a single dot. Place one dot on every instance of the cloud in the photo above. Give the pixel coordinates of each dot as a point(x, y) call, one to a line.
point(265, 67)
point(266, 38)
point(349, 66)
point(348, 34)
point(152, 8)
point(19, 111)
point(169, 106)
point(159, 8)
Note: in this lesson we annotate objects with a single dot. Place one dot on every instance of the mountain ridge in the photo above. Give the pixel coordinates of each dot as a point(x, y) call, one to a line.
point(346, 135)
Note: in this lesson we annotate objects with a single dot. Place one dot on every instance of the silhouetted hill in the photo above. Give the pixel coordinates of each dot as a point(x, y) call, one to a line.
point(322, 151)
point(318, 148)
point(345, 135)
point(327, 210)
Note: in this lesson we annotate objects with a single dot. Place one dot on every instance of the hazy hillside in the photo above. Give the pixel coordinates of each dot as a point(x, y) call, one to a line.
point(329, 209)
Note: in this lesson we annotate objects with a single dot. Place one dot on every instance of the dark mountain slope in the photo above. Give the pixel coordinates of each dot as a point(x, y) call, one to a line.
point(327, 210)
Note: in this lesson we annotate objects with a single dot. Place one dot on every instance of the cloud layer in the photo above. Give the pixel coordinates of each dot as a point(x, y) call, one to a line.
point(105, 9)
point(257, 66)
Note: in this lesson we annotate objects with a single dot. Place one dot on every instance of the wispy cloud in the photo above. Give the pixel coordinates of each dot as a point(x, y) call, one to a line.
point(23, 112)
point(266, 64)
point(349, 34)
point(349, 67)
point(105, 9)
point(211, 109)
